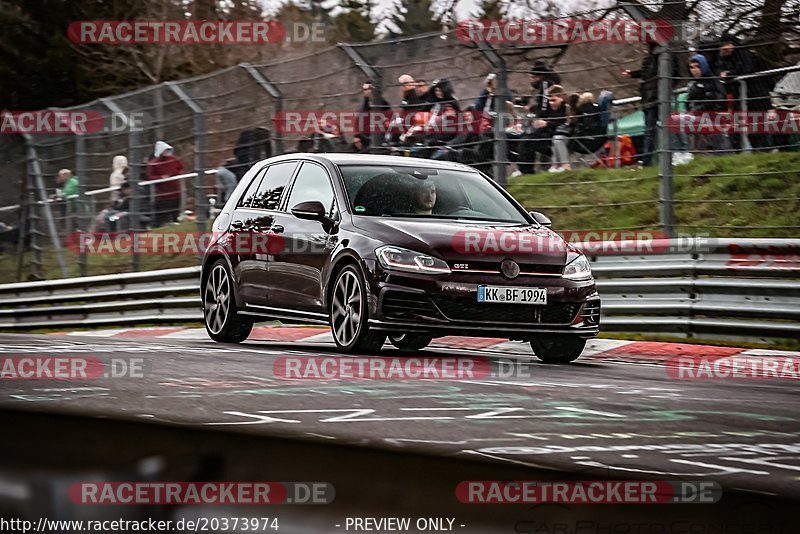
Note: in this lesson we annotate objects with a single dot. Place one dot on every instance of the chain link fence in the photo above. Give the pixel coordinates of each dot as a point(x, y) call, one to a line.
point(220, 123)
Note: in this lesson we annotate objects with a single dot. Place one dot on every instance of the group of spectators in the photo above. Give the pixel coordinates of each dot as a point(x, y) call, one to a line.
point(160, 202)
point(712, 88)
point(552, 125)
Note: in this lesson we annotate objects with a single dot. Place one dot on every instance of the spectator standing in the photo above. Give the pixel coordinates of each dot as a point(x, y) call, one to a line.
point(442, 95)
point(546, 125)
point(648, 90)
point(705, 93)
point(412, 101)
point(542, 79)
point(119, 166)
point(584, 132)
point(737, 61)
point(371, 103)
point(424, 94)
point(226, 181)
point(486, 100)
point(167, 195)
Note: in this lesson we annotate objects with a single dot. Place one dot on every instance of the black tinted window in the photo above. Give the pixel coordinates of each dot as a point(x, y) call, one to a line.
point(312, 183)
point(268, 194)
point(247, 198)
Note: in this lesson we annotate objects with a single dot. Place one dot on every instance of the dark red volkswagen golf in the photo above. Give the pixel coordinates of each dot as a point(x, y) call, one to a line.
point(404, 248)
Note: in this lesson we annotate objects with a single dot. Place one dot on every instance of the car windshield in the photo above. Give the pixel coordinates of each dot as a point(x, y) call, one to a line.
point(407, 191)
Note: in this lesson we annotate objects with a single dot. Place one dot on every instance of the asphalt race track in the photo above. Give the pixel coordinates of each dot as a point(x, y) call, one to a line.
point(616, 412)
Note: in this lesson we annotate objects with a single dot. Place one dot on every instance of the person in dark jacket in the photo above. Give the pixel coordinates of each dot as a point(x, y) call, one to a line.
point(412, 101)
point(737, 61)
point(584, 132)
point(545, 127)
point(542, 79)
point(485, 103)
point(442, 94)
point(372, 103)
point(648, 90)
point(705, 93)
point(167, 195)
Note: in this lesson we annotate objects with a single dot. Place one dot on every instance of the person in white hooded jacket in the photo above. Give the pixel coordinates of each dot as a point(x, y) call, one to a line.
point(118, 165)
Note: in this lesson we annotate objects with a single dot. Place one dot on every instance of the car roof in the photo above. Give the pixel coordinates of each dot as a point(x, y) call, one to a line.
point(372, 159)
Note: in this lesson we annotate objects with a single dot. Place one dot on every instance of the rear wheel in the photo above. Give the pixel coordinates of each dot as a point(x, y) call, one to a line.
point(222, 321)
point(558, 349)
point(350, 314)
point(410, 342)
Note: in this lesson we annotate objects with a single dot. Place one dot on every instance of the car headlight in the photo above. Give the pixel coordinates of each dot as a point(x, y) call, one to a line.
point(401, 259)
point(578, 269)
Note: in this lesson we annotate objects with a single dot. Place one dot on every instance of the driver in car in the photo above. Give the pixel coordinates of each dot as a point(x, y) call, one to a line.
point(425, 198)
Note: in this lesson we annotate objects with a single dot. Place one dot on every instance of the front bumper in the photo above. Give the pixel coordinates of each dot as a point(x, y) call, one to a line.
point(447, 305)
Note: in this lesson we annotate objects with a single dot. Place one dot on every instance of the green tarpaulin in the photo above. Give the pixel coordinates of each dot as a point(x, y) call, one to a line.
point(633, 124)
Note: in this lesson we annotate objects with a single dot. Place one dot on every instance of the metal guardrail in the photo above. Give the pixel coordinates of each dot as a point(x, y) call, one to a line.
point(736, 289)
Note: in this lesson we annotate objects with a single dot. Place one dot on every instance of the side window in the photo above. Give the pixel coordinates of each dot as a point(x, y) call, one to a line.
point(312, 183)
point(269, 192)
point(247, 198)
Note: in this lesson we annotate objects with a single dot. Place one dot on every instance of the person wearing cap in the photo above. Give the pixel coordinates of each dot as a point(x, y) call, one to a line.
point(542, 78)
point(166, 195)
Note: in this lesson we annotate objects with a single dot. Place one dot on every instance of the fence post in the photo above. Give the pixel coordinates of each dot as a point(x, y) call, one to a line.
point(134, 168)
point(666, 187)
point(36, 169)
point(745, 140)
point(499, 144)
point(201, 200)
point(276, 95)
point(80, 217)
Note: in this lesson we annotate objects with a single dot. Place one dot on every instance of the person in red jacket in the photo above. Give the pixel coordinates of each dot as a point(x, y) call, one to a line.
point(167, 195)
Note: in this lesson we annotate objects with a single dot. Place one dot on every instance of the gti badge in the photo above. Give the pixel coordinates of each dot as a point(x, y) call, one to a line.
point(509, 268)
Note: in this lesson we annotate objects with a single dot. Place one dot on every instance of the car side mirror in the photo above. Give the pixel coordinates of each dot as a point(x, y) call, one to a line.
point(540, 218)
point(313, 210)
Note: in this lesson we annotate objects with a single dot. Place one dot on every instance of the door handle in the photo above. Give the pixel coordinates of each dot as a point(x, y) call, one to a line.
point(276, 229)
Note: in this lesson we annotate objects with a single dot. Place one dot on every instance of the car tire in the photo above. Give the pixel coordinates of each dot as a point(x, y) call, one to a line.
point(349, 314)
point(410, 342)
point(557, 349)
point(220, 316)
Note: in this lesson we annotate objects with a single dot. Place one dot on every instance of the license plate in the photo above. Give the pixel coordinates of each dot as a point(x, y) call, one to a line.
point(512, 295)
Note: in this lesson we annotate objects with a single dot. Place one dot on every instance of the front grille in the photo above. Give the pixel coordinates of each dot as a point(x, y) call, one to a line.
point(591, 312)
point(494, 266)
point(470, 310)
point(402, 305)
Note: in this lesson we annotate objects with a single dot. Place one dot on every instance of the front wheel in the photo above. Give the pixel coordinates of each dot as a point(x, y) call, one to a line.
point(350, 314)
point(410, 342)
point(222, 321)
point(558, 349)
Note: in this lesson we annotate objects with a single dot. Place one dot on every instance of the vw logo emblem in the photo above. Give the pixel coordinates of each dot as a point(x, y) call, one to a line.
point(509, 268)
